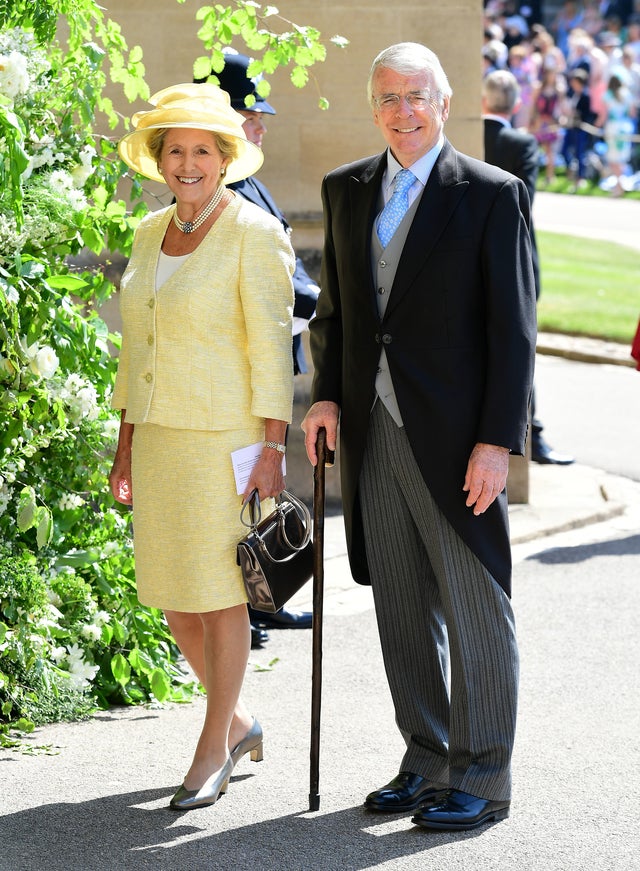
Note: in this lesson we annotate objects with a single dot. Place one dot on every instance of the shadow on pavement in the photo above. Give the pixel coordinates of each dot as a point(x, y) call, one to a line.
point(115, 833)
point(618, 547)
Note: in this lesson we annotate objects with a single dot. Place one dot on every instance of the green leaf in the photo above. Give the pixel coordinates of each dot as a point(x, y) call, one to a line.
point(69, 282)
point(299, 77)
point(44, 529)
point(202, 68)
point(26, 509)
point(160, 685)
point(120, 669)
point(119, 631)
point(141, 661)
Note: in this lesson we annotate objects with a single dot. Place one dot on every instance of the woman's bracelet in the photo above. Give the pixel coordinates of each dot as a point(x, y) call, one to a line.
point(276, 446)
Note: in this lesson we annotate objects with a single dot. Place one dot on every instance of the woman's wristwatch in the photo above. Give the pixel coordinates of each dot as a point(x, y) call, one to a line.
point(276, 446)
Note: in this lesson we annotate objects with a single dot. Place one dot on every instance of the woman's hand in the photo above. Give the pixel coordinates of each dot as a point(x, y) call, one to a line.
point(266, 476)
point(120, 478)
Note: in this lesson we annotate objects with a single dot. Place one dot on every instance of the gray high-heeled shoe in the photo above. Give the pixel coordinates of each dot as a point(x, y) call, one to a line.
point(251, 743)
point(216, 785)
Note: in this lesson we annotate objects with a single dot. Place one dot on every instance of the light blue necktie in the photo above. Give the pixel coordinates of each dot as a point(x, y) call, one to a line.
point(394, 211)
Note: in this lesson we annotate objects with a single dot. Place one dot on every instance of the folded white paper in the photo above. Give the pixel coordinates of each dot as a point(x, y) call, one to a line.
point(243, 460)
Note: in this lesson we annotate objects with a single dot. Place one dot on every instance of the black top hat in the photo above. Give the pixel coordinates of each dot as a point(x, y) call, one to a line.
point(233, 79)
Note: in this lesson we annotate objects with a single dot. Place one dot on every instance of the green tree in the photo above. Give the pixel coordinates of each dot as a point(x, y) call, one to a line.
point(72, 634)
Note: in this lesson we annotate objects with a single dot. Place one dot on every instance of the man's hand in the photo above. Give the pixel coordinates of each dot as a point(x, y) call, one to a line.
point(486, 476)
point(321, 414)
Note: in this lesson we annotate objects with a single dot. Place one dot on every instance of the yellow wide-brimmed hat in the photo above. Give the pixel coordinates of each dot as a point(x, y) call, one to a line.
point(199, 106)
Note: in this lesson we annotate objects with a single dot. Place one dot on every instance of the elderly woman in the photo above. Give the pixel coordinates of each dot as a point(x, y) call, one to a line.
point(205, 369)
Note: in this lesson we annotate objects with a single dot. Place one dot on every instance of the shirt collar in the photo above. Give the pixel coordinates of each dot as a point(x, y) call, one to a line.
point(421, 168)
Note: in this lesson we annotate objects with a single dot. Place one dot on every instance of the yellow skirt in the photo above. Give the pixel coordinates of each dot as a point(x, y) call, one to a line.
point(186, 517)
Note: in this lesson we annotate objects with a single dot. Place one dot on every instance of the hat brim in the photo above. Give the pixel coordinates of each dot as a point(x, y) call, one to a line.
point(133, 149)
point(259, 106)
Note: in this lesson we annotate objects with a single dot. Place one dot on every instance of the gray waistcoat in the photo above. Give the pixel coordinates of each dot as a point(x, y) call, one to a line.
point(384, 264)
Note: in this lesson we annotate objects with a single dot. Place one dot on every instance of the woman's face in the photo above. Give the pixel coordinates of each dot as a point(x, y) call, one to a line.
point(191, 164)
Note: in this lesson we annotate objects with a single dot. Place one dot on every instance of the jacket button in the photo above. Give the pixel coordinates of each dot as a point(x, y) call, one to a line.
point(387, 339)
point(149, 339)
point(381, 290)
point(151, 302)
point(148, 377)
point(383, 263)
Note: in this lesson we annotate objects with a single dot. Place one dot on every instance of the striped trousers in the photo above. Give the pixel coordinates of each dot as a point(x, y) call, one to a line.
point(446, 627)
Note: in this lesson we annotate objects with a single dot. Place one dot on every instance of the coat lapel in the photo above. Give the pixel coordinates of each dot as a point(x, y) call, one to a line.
point(364, 190)
point(439, 200)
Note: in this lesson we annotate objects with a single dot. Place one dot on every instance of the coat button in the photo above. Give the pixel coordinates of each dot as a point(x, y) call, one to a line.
point(149, 339)
point(383, 263)
point(386, 339)
point(148, 377)
point(151, 302)
point(381, 290)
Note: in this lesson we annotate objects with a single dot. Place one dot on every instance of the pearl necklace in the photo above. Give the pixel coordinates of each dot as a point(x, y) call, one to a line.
point(190, 226)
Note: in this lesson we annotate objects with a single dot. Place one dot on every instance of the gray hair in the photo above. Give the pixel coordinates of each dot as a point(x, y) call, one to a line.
point(408, 59)
point(501, 92)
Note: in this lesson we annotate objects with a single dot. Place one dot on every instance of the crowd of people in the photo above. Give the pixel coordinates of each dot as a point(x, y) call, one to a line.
point(579, 80)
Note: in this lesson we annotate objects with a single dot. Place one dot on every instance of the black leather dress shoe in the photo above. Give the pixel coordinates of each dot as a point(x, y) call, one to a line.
point(459, 810)
point(405, 792)
point(258, 637)
point(282, 619)
point(542, 453)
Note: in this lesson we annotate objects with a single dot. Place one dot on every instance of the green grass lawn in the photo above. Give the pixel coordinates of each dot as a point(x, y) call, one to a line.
point(589, 287)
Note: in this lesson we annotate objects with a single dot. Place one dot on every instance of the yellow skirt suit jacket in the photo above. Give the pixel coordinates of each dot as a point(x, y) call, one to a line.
point(205, 359)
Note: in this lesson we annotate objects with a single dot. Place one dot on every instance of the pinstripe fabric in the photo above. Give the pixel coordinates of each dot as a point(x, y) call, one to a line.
point(438, 610)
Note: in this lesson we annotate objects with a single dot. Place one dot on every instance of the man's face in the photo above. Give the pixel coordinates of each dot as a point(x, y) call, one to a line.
point(409, 130)
point(254, 126)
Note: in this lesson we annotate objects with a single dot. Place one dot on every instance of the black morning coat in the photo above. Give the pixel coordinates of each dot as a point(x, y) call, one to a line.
point(459, 333)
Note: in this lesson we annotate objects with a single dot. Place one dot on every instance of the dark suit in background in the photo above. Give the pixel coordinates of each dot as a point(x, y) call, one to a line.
point(516, 151)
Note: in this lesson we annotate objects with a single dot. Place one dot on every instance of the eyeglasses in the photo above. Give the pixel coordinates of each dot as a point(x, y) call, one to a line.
point(416, 99)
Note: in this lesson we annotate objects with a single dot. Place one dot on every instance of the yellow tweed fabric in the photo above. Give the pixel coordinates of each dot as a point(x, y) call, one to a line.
point(213, 346)
point(186, 517)
point(203, 362)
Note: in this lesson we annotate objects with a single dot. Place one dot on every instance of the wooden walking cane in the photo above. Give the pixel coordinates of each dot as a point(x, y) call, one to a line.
point(325, 457)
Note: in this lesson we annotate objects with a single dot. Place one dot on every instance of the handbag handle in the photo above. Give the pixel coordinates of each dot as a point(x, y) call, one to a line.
point(255, 515)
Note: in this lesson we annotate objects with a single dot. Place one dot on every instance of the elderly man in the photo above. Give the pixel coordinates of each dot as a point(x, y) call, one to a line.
point(423, 346)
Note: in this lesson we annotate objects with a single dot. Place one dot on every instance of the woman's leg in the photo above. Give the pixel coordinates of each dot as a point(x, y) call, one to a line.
point(216, 645)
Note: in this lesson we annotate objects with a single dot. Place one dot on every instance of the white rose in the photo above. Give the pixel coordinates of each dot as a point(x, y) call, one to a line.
point(45, 362)
point(14, 78)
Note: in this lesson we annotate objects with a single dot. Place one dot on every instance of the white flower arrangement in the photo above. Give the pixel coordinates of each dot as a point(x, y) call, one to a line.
point(14, 76)
point(43, 362)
